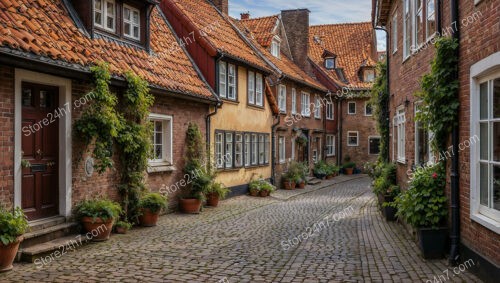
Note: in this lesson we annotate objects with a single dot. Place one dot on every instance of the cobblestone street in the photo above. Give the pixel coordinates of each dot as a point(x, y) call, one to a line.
point(242, 241)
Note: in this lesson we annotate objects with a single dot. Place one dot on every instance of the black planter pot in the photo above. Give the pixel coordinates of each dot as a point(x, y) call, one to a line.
point(320, 176)
point(388, 211)
point(433, 242)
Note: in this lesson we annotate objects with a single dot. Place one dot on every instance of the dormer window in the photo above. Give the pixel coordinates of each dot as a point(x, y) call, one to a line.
point(330, 63)
point(105, 14)
point(369, 75)
point(131, 22)
point(276, 47)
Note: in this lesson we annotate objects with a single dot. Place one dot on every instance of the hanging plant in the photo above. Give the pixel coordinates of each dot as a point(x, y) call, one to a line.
point(301, 140)
point(380, 101)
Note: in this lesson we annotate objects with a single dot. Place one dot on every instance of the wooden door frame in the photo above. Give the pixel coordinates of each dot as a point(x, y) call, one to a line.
point(65, 150)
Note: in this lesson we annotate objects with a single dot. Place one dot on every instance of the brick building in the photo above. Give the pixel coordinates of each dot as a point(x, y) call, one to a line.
point(411, 49)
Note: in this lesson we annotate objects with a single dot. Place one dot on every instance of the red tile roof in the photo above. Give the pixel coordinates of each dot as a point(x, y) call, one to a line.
point(353, 44)
point(263, 30)
point(44, 28)
point(219, 30)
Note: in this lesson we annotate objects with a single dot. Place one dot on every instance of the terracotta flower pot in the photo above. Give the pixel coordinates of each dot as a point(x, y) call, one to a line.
point(8, 253)
point(213, 199)
point(302, 185)
point(264, 193)
point(289, 185)
point(329, 177)
point(97, 230)
point(148, 218)
point(190, 205)
point(121, 230)
point(254, 193)
point(348, 171)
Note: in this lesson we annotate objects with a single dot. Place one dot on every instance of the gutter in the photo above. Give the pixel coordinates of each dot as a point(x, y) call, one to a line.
point(388, 77)
point(273, 151)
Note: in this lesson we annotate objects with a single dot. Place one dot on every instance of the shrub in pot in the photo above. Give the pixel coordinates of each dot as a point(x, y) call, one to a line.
point(97, 217)
point(215, 192)
point(389, 210)
point(320, 169)
point(349, 167)
point(424, 206)
point(122, 227)
point(254, 188)
point(150, 206)
point(12, 226)
point(289, 180)
point(266, 188)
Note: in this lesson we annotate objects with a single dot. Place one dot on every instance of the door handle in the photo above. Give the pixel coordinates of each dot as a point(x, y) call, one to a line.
point(39, 152)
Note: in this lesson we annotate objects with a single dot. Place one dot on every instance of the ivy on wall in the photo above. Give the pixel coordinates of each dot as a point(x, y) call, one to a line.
point(380, 100)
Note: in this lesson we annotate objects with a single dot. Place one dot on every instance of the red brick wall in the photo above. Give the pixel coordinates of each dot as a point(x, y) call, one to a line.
point(6, 136)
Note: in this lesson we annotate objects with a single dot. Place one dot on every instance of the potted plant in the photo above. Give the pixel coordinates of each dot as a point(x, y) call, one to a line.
point(12, 226)
point(423, 206)
point(216, 191)
point(98, 215)
point(289, 180)
point(301, 140)
point(150, 206)
point(254, 188)
point(266, 188)
point(349, 167)
point(297, 171)
point(320, 169)
point(385, 188)
point(389, 210)
point(122, 227)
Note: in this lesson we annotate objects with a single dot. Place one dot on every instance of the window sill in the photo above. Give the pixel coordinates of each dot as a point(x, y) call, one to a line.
point(255, 107)
point(486, 222)
point(351, 113)
point(230, 101)
point(160, 167)
point(352, 145)
point(401, 161)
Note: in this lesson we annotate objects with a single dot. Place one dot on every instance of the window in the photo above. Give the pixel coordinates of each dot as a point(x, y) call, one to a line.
point(131, 22)
point(266, 149)
point(227, 81)
point(255, 149)
point(281, 149)
point(161, 139)
point(430, 19)
point(255, 89)
point(262, 153)
point(317, 107)
point(219, 150)
point(305, 104)
point(374, 145)
point(351, 108)
point(292, 144)
point(251, 87)
point(330, 145)
point(275, 47)
point(229, 150)
point(222, 79)
point(407, 28)
point(238, 150)
point(329, 110)
point(368, 109)
point(399, 124)
point(315, 155)
point(352, 138)
point(394, 27)
point(231, 82)
point(419, 22)
point(294, 101)
point(105, 14)
point(282, 98)
point(330, 63)
point(369, 75)
point(423, 153)
point(248, 150)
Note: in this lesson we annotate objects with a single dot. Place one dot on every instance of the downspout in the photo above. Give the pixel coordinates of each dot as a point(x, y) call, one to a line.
point(388, 77)
point(455, 190)
point(273, 151)
point(339, 156)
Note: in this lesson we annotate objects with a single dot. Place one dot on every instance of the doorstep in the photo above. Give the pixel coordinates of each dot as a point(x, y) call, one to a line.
point(49, 251)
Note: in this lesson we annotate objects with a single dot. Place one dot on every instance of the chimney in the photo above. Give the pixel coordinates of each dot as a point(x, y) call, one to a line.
point(245, 16)
point(296, 23)
point(222, 5)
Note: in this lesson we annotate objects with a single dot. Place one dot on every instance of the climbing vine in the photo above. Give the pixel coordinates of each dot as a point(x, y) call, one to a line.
point(379, 101)
point(439, 93)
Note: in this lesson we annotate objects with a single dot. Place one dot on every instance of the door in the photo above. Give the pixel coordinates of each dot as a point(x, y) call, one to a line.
point(40, 136)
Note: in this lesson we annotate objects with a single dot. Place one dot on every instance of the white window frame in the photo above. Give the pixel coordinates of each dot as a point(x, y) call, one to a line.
point(482, 71)
point(333, 64)
point(223, 79)
point(282, 149)
point(292, 143)
point(369, 139)
point(368, 78)
point(167, 140)
point(255, 149)
point(349, 108)
point(305, 103)
point(330, 111)
point(394, 33)
point(259, 89)
point(251, 87)
point(247, 150)
point(430, 156)
point(231, 73)
point(104, 14)
point(400, 125)
point(131, 22)
point(276, 47)
point(266, 148)
point(428, 35)
point(282, 98)
point(407, 27)
point(367, 103)
point(330, 145)
point(357, 138)
point(238, 143)
point(228, 146)
point(294, 101)
point(416, 24)
point(317, 107)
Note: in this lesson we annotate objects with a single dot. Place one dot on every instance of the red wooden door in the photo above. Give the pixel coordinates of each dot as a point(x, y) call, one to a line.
point(40, 136)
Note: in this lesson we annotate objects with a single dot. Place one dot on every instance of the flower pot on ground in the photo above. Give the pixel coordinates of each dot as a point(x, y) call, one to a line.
point(301, 184)
point(264, 193)
point(191, 205)
point(12, 226)
point(266, 188)
point(389, 211)
point(321, 170)
point(254, 192)
point(433, 242)
point(289, 184)
point(216, 192)
point(97, 217)
point(349, 168)
point(122, 227)
point(151, 205)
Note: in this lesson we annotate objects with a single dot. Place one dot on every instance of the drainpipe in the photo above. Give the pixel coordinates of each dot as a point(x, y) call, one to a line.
point(339, 131)
point(455, 190)
point(386, 115)
point(273, 151)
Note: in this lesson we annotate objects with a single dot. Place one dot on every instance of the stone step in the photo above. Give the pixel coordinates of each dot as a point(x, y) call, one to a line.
point(47, 252)
point(50, 233)
point(45, 223)
point(313, 181)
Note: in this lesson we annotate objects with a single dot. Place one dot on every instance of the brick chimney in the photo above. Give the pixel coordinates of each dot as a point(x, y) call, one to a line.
point(222, 5)
point(245, 16)
point(296, 23)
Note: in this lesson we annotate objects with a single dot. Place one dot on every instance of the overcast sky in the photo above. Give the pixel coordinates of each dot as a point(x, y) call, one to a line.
point(322, 11)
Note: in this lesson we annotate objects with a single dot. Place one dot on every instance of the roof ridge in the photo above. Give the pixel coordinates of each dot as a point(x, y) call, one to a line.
point(340, 24)
point(259, 18)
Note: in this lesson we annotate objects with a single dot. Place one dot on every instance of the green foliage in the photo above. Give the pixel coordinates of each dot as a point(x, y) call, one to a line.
point(123, 224)
point(423, 205)
point(349, 165)
point(12, 225)
point(261, 185)
point(98, 208)
point(297, 171)
point(386, 180)
point(320, 168)
point(440, 103)
point(379, 101)
point(201, 174)
point(219, 189)
point(153, 201)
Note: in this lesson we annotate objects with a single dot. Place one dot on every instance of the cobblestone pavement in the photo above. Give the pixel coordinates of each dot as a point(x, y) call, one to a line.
point(245, 239)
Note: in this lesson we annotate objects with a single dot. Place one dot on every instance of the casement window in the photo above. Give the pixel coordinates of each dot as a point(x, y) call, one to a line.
point(330, 145)
point(229, 150)
point(407, 28)
point(368, 109)
point(255, 89)
point(317, 107)
point(227, 81)
point(419, 22)
point(105, 14)
point(423, 152)
point(305, 103)
point(161, 140)
point(238, 150)
point(374, 145)
point(292, 146)
point(430, 18)
point(219, 150)
point(330, 63)
point(369, 75)
point(282, 98)
point(400, 131)
point(255, 149)
point(248, 150)
point(315, 155)
point(329, 110)
point(282, 149)
point(351, 108)
point(267, 142)
point(294, 101)
point(131, 22)
point(352, 138)
point(275, 47)
point(394, 28)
